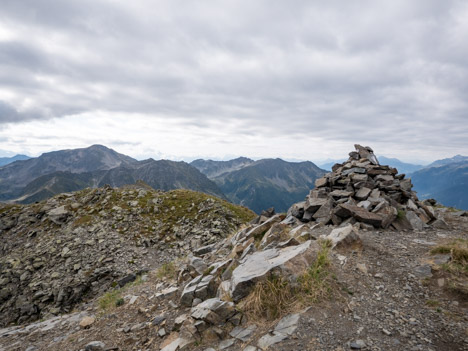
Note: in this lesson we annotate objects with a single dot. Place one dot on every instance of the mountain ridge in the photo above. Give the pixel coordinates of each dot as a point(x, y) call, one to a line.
point(447, 183)
point(70, 170)
point(7, 160)
point(269, 183)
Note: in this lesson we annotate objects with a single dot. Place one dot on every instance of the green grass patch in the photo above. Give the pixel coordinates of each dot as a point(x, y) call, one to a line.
point(83, 220)
point(401, 214)
point(167, 271)
point(432, 303)
point(176, 204)
point(109, 299)
point(113, 298)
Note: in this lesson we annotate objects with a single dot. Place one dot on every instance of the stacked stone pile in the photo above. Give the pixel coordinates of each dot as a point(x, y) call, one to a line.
point(362, 190)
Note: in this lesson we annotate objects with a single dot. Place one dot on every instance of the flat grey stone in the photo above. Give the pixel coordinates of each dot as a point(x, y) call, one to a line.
point(357, 345)
point(283, 330)
point(226, 343)
point(95, 346)
point(243, 334)
point(259, 264)
point(424, 271)
point(267, 340)
point(288, 324)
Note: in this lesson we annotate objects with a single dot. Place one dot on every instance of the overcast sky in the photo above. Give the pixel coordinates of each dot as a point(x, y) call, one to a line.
point(218, 79)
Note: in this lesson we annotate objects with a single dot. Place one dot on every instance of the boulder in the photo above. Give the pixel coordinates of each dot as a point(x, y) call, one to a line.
point(414, 220)
point(362, 194)
point(86, 322)
point(321, 182)
point(95, 346)
point(257, 231)
point(323, 214)
point(360, 214)
point(59, 215)
point(200, 287)
point(313, 204)
point(290, 261)
point(388, 214)
point(213, 311)
point(343, 236)
point(275, 234)
point(286, 327)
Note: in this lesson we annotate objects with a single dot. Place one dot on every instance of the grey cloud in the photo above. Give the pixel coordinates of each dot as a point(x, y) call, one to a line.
point(7, 113)
point(392, 71)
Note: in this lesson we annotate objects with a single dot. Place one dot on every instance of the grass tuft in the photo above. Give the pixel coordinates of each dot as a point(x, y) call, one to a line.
point(458, 251)
point(401, 214)
point(457, 267)
point(275, 296)
point(110, 299)
point(167, 270)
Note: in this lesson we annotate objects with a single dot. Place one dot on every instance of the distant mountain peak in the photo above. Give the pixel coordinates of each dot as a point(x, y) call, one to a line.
point(446, 161)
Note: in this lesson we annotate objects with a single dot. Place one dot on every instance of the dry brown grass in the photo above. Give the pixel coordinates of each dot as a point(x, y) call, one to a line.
point(275, 296)
point(458, 251)
point(457, 267)
point(167, 271)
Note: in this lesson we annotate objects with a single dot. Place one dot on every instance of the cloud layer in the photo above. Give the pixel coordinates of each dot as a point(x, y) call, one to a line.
point(306, 79)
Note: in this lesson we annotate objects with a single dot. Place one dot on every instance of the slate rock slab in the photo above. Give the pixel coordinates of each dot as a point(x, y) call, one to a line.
point(289, 261)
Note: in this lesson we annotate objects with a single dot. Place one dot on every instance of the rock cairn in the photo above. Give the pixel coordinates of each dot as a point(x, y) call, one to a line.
point(362, 190)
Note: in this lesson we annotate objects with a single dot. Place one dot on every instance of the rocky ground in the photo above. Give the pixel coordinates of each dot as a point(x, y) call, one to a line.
point(74, 247)
point(389, 293)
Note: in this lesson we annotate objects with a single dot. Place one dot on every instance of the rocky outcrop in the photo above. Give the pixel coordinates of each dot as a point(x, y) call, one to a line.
point(362, 190)
point(73, 247)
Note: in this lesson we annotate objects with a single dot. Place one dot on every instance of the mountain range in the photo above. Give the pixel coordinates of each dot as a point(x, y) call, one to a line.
point(6, 160)
point(263, 183)
point(255, 184)
point(70, 170)
point(447, 183)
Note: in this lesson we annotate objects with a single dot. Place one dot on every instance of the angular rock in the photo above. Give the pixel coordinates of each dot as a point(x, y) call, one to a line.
point(197, 265)
point(362, 194)
point(297, 210)
point(341, 193)
point(313, 204)
point(243, 334)
point(343, 236)
point(276, 233)
point(95, 346)
point(321, 182)
point(414, 220)
point(324, 212)
point(290, 261)
point(213, 311)
point(86, 322)
point(360, 214)
point(258, 230)
point(388, 214)
point(200, 287)
point(440, 224)
point(354, 170)
point(285, 328)
point(59, 215)
point(204, 249)
point(366, 152)
point(127, 279)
